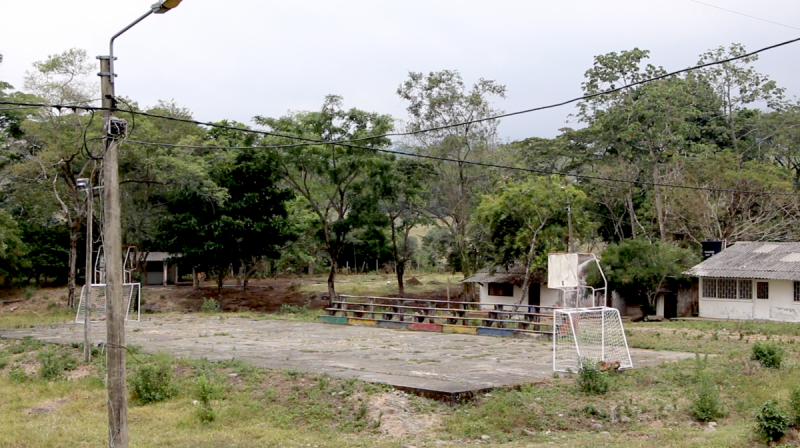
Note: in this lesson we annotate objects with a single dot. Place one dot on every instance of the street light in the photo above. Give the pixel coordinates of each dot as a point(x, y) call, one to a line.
point(112, 237)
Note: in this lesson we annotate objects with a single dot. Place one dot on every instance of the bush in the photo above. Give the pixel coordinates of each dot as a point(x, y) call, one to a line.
point(205, 391)
point(209, 306)
point(794, 405)
point(152, 383)
point(54, 365)
point(769, 354)
point(705, 403)
point(590, 379)
point(17, 374)
point(771, 422)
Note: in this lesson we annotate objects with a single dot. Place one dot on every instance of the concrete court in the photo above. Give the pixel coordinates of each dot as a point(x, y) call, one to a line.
point(436, 364)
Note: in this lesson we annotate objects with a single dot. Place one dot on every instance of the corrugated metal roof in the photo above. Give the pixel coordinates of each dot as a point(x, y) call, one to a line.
point(515, 275)
point(160, 256)
point(771, 261)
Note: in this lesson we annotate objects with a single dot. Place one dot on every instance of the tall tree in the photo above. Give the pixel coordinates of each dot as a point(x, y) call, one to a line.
point(527, 220)
point(52, 157)
point(439, 101)
point(333, 179)
point(404, 193)
point(239, 229)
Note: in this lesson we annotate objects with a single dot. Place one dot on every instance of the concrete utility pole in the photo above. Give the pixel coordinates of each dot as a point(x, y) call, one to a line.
point(115, 321)
point(112, 236)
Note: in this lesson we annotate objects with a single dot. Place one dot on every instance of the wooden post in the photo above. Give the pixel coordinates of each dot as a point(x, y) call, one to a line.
point(115, 306)
point(195, 283)
point(448, 290)
point(165, 270)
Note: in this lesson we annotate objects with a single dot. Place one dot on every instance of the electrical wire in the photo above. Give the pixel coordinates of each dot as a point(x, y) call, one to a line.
point(491, 165)
point(422, 131)
point(746, 15)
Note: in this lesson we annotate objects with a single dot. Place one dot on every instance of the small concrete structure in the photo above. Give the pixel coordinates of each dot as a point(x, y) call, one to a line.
point(505, 286)
point(751, 280)
point(156, 270)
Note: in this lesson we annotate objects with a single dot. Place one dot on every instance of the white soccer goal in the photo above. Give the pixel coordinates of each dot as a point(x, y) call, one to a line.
point(593, 334)
point(97, 309)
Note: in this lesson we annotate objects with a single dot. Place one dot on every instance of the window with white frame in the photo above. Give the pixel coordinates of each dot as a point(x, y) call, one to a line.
point(727, 288)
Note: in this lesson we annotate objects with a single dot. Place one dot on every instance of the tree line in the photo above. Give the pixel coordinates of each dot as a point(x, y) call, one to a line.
point(645, 174)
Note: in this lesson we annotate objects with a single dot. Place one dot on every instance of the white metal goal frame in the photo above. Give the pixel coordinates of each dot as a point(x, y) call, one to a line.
point(97, 310)
point(594, 334)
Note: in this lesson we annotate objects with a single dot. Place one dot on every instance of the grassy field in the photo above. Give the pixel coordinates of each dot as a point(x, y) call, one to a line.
point(50, 399)
point(385, 285)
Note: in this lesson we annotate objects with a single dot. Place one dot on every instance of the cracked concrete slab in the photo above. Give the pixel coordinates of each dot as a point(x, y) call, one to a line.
point(436, 363)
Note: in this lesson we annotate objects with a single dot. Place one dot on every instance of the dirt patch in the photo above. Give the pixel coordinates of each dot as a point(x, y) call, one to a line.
point(413, 281)
point(47, 407)
point(81, 371)
point(397, 416)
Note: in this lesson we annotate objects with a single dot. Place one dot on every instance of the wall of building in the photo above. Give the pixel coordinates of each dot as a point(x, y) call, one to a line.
point(548, 297)
point(782, 306)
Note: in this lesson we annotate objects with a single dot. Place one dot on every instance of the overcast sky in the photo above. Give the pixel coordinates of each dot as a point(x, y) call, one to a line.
point(265, 58)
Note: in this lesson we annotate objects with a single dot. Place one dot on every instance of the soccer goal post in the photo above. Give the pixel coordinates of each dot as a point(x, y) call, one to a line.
point(132, 292)
point(589, 334)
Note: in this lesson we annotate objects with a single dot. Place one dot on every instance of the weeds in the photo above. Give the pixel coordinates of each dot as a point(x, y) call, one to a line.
point(54, 364)
point(769, 354)
point(209, 306)
point(705, 402)
point(17, 374)
point(771, 421)
point(151, 383)
point(205, 391)
point(590, 379)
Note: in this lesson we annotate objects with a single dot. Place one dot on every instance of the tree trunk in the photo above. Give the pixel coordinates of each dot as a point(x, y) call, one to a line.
point(400, 267)
point(526, 283)
point(332, 280)
point(659, 202)
point(73, 264)
point(220, 283)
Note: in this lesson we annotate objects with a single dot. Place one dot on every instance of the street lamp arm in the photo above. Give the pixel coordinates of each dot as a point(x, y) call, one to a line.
point(111, 43)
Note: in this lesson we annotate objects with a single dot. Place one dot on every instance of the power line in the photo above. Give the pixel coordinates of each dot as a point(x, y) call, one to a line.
point(420, 131)
point(746, 15)
point(488, 165)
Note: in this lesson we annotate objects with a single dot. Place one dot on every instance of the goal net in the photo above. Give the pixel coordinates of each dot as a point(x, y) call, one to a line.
point(589, 334)
point(132, 292)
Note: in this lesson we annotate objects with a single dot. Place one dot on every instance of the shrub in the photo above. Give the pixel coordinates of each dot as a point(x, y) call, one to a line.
point(54, 364)
point(152, 383)
point(794, 405)
point(705, 403)
point(27, 343)
point(17, 374)
point(590, 379)
point(209, 306)
point(769, 354)
point(771, 422)
point(205, 391)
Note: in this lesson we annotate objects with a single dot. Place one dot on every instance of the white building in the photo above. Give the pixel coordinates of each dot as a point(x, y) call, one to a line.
point(751, 280)
point(505, 286)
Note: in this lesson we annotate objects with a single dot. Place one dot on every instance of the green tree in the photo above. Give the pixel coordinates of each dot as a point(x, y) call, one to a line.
point(12, 249)
point(249, 223)
point(637, 267)
point(439, 101)
point(333, 179)
point(50, 156)
point(404, 193)
point(527, 220)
